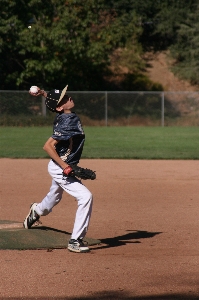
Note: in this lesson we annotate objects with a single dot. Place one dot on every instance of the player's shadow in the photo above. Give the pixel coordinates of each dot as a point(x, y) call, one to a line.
point(46, 228)
point(133, 236)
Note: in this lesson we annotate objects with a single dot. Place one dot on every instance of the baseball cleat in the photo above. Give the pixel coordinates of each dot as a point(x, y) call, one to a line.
point(77, 246)
point(32, 217)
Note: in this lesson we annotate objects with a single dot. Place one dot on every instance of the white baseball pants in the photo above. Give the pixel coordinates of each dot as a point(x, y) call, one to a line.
point(75, 188)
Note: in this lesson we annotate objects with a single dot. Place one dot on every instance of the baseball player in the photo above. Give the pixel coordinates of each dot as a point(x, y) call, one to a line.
point(65, 148)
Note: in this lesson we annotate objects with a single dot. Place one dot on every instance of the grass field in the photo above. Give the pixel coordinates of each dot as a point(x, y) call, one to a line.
point(108, 142)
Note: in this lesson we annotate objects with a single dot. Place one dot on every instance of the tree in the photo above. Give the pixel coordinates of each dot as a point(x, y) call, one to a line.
point(68, 41)
point(161, 20)
point(12, 19)
point(186, 48)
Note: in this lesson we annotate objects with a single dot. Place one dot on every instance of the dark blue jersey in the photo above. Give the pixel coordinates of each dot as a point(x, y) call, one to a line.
point(68, 130)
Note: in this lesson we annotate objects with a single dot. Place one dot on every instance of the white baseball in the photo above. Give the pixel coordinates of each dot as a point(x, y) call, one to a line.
point(34, 89)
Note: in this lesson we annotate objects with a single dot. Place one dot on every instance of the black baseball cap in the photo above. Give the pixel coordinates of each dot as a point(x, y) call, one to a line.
point(54, 97)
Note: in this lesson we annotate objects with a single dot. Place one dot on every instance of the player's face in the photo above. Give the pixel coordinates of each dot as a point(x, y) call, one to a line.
point(67, 103)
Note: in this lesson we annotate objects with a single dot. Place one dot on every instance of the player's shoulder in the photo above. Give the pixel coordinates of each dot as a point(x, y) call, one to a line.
point(63, 116)
point(64, 119)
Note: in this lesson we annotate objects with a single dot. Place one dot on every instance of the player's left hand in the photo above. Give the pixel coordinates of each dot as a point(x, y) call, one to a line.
point(82, 173)
point(67, 171)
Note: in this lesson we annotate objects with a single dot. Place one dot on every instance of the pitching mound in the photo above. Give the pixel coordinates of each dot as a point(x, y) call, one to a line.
point(14, 237)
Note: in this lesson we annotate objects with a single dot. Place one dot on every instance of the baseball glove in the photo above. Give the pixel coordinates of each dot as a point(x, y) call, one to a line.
point(79, 172)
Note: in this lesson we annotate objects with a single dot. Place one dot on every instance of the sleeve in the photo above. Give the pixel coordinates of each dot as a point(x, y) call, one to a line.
point(61, 128)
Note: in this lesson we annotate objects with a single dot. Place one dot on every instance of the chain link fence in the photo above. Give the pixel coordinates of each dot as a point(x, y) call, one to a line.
point(19, 108)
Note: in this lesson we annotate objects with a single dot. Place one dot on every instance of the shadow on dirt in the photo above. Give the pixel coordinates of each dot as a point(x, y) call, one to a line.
point(46, 228)
point(114, 295)
point(132, 236)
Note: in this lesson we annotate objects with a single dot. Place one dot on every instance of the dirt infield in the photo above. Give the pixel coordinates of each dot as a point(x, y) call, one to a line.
point(145, 214)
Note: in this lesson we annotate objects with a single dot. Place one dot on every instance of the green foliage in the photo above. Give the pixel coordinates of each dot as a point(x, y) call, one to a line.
point(172, 25)
point(161, 20)
point(186, 49)
point(73, 42)
point(68, 42)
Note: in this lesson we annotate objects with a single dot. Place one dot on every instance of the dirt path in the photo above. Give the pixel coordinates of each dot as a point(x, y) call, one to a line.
point(146, 216)
point(159, 70)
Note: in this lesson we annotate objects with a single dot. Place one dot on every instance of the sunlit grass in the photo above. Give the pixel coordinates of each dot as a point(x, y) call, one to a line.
point(108, 142)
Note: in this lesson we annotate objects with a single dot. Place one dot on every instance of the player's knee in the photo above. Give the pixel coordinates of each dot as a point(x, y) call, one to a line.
point(88, 198)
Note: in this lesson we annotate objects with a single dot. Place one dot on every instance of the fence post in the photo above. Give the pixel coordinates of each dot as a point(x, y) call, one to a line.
point(162, 109)
point(43, 106)
point(106, 109)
